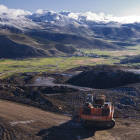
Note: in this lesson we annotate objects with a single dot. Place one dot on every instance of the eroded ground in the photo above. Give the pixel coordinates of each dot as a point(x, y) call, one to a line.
point(42, 106)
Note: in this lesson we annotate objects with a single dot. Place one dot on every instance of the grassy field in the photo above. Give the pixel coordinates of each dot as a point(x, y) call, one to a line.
point(115, 53)
point(8, 66)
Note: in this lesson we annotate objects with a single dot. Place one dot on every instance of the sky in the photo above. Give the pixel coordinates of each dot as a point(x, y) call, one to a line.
point(115, 7)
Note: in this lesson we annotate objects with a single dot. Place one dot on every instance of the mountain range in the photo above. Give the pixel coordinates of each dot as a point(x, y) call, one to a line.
point(67, 30)
point(86, 24)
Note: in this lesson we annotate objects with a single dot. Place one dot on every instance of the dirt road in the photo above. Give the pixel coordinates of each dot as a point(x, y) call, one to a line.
point(19, 122)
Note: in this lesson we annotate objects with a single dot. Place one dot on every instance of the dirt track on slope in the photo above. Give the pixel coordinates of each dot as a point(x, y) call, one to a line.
point(19, 122)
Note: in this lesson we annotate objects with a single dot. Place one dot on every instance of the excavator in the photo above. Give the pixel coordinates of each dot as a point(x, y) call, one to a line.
point(97, 113)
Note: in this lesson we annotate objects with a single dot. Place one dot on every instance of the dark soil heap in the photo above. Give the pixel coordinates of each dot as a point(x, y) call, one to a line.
point(104, 78)
point(58, 89)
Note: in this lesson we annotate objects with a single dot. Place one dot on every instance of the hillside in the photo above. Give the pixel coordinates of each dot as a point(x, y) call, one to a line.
point(11, 49)
point(120, 33)
point(44, 44)
point(75, 40)
point(16, 45)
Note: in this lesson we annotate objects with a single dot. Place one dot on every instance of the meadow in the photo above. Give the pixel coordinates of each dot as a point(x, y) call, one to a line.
point(52, 64)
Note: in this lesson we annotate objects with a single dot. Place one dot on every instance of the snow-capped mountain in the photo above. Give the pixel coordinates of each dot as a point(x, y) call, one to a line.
point(24, 19)
point(89, 24)
point(60, 19)
point(69, 18)
point(81, 19)
point(16, 18)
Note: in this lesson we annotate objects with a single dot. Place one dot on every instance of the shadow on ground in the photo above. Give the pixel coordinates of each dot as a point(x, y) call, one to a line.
point(70, 130)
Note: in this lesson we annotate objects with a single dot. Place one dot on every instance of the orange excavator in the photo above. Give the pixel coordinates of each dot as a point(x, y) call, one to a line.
point(97, 113)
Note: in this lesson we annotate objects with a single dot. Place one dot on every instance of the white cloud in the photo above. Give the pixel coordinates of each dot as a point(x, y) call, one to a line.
point(110, 18)
point(12, 13)
point(105, 18)
point(124, 19)
point(3, 9)
point(94, 16)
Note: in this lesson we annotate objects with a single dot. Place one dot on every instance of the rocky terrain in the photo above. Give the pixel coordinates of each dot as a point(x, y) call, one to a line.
point(49, 92)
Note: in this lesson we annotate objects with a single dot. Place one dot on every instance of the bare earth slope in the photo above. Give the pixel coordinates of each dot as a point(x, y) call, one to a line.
point(24, 122)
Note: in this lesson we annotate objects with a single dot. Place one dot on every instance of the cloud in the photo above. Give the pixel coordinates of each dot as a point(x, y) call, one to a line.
point(124, 19)
point(94, 16)
point(110, 18)
point(104, 18)
point(12, 13)
point(3, 9)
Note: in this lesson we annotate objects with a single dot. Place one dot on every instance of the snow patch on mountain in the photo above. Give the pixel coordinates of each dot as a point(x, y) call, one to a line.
point(60, 19)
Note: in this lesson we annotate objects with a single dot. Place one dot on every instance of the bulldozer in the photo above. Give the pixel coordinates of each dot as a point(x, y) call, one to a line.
point(97, 113)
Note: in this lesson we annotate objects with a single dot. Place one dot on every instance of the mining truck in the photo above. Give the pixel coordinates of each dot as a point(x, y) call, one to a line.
point(97, 112)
